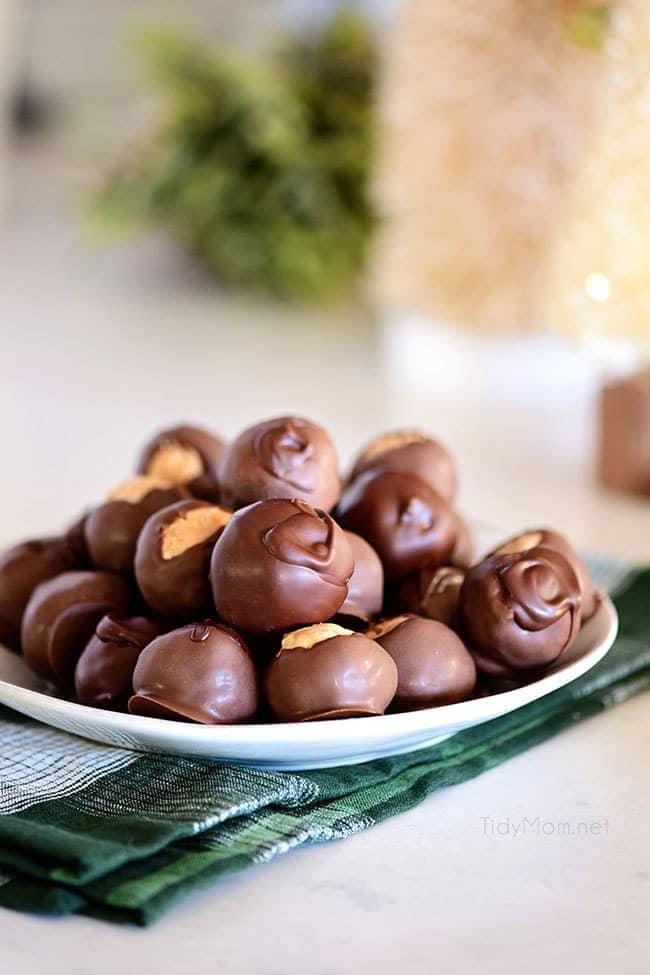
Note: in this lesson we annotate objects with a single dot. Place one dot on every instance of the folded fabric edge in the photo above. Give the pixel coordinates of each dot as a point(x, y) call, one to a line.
point(40, 897)
point(22, 893)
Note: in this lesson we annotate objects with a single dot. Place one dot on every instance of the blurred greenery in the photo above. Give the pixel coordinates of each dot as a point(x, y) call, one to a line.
point(588, 25)
point(261, 165)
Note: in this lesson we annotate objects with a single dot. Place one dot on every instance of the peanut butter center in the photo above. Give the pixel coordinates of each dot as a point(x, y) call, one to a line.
point(391, 441)
point(176, 463)
point(522, 543)
point(385, 626)
point(308, 636)
point(136, 488)
point(191, 528)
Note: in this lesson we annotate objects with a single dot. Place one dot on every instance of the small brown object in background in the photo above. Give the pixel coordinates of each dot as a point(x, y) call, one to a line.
point(624, 450)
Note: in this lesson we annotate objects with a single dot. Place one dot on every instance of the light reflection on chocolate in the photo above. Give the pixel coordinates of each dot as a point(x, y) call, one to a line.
point(410, 452)
point(434, 666)
point(327, 671)
point(520, 610)
point(279, 564)
point(104, 670)
point(287, 457)
point(200, 672)
point(408, 524)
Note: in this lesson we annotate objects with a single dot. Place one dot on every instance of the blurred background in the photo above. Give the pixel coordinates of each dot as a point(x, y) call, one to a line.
point(380, 214)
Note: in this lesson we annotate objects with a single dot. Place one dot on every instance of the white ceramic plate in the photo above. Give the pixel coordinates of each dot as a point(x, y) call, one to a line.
point(298, 746)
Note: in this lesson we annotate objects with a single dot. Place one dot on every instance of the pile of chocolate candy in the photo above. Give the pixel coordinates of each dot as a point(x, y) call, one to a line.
point(215, 586)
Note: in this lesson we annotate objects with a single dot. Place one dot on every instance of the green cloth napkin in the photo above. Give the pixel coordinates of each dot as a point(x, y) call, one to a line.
point(122, 835)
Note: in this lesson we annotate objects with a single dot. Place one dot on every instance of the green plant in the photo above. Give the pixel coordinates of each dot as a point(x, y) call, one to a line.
point(260, 167)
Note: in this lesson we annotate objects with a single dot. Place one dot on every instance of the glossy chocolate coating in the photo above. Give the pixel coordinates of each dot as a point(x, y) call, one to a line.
point(278, 565)
point(520, 611)
point(433, 593)
point(405, 521)
point(544, 537)
point(61, 616)
point(410, 452)
point(287, 457)
point(345, 676)
point(201, 672)
point(104, 670)
point(434, 666)
point(75, 539)
point(22, 569)
point(177, 586)
point(366, 586)
point(199, 470)
point(112, 529)
point(463, 554)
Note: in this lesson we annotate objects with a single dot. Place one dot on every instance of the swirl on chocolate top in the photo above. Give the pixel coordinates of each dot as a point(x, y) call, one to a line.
point(544, 537)
point(127, 631)
point(408, 524)
point(284, 450)
point(280, 564)
point(410, 452)
point(520, 610)
point(286, 457)
point(105, 668)
point(306, 541)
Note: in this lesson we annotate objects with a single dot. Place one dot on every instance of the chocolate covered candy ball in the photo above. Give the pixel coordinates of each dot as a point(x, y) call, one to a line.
point(434, 666)
point(520, 610)
point(545, 538)
point(408, 524)
point(22, 569)
point(187, 456)
point(280, 564)
point(410, 452)
point(366, 585)
point(201, 672)
point(61, 616)
point(172, 558)
point(327, 671)
point(112, 529)
point(283, 458)
point(75, 539)
point(433, 593)
point(462, 555)
point(105, 668)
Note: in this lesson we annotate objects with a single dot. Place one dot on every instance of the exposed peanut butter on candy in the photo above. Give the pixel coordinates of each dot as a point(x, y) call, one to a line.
point(523, 543)
point(137, 487)
point(176, 462)
point(391, 441)
point(444, 577)
point(385, 626)
point(308, 636)
point(191, 528)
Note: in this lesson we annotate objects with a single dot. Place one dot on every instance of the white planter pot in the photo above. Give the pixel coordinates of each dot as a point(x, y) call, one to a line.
point(518, 383)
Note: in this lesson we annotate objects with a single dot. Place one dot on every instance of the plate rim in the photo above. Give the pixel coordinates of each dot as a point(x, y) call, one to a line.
point(312, 734)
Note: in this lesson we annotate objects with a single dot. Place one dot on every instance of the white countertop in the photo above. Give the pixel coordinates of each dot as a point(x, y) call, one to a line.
point(427, 891)
point(99, 349)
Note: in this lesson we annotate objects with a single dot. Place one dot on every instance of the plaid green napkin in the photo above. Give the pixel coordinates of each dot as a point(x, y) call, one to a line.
point(121, 835)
